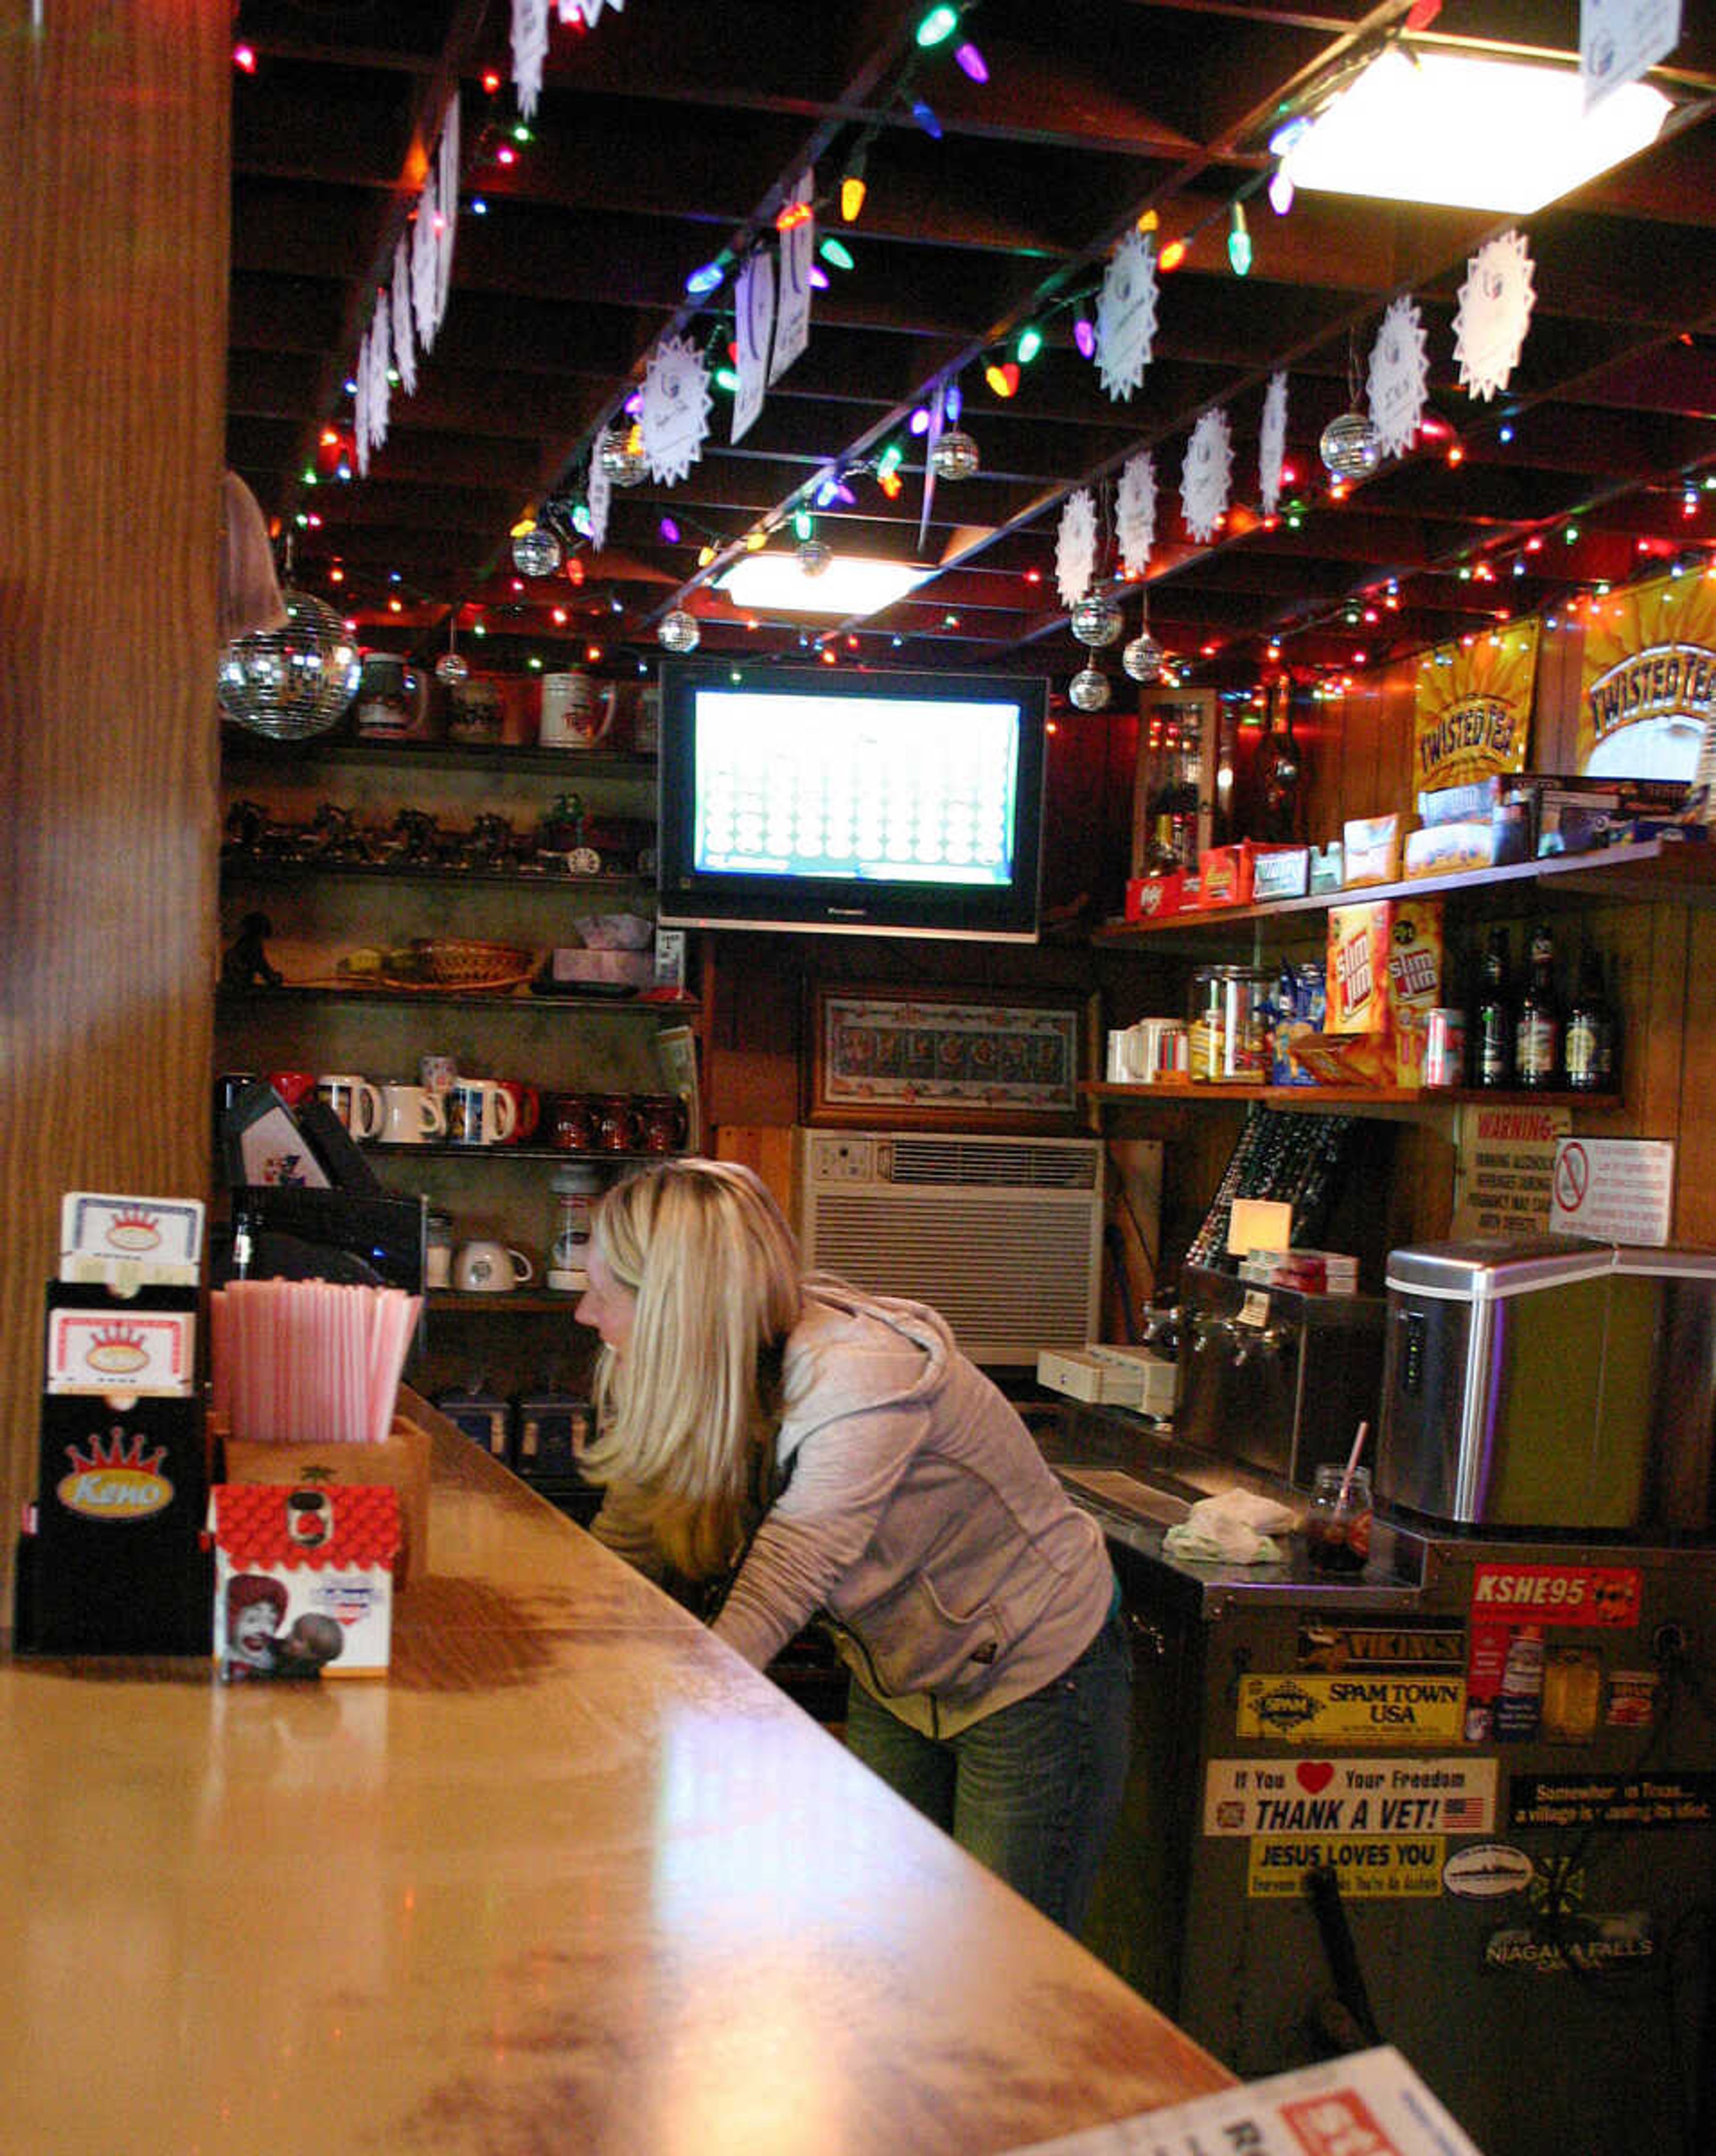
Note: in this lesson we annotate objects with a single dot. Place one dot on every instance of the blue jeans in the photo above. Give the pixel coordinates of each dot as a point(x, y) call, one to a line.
point(1032, 1790)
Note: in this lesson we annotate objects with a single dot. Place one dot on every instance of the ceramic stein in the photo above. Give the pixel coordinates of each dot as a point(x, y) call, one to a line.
point(410, 1115)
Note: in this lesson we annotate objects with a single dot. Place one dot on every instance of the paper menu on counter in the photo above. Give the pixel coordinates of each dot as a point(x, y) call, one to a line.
point(1370, 2103)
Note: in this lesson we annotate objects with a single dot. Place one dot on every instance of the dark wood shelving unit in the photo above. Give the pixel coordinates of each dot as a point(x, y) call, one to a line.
point(246, 752)
point(1347, 1096)
point(254, 868)
point(632, 1006)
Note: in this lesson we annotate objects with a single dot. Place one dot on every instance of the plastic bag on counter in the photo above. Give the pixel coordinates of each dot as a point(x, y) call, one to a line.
point(1236, 1527)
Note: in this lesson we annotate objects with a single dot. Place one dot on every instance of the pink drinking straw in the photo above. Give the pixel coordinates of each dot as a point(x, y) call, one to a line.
point(1340, 1502)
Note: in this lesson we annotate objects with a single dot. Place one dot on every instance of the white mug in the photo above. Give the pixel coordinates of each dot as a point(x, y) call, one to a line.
point(576, 711)
point(490, 1268)
point(354, 1100)
point(410, 1114)
point(480, 1112)
point(438, 1074)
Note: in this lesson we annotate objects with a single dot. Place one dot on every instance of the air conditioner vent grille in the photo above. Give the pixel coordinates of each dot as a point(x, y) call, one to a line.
point(1020, 1162)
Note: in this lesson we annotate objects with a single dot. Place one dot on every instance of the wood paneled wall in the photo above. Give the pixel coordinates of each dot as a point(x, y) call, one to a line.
point(113, 280)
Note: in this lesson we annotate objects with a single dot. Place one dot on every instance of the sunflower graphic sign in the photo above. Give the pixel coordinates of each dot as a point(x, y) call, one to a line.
point(1473, 715)
point(1648, 688)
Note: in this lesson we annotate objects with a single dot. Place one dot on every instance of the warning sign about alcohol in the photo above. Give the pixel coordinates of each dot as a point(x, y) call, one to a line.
point(1619, 1190)
point(1557, 1593)
point(1370, 1868)
point(1618, 1800)
point(1504, 1169)
point(1302, 1709)
point(1350, 1796)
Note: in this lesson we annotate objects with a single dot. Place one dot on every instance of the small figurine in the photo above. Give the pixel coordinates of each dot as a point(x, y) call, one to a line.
point(247, 826)
point(246, 963)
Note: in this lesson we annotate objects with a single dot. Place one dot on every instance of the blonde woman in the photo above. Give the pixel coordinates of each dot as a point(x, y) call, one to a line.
point(808, 1448)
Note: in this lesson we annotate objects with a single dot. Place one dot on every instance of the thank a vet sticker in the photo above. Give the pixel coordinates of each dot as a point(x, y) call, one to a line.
point(1453, 1795)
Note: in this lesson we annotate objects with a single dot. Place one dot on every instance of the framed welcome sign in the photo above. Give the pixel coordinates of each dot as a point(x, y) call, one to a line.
point(882, 1055)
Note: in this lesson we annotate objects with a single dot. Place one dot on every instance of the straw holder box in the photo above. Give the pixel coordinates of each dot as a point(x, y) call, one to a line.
point(401, 1462)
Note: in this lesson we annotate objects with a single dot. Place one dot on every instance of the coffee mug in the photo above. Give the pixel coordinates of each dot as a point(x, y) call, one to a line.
point(294, 1087)
point(576, 711)
point(571, 1122)
point(527, 1108)
point(354, 1100)
point(490, 1268)
point(410, 1114)
point(437, 1074)
point(479, 1113)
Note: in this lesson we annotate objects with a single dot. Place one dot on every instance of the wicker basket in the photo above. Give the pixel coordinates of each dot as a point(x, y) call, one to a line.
point(449, 965)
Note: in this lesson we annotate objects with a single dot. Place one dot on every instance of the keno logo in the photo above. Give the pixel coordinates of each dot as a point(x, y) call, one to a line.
point(1489, 1869)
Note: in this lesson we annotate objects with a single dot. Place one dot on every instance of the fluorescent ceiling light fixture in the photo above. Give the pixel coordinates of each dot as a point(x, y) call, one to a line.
point(1469, 133)
point(850, 585)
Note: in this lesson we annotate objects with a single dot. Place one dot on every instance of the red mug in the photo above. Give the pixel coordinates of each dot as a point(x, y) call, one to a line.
point(661, 1118)
point(616, 1123)
point(528, 1109)
point(572, 1123)
point(294, 1087)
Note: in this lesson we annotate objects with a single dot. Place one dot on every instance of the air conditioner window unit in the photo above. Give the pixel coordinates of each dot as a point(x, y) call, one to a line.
point(1003, 1236)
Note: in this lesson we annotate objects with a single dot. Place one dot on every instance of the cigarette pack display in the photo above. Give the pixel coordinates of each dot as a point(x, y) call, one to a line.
point(303, 1580)
point(1280, 872)
point(1372, 847)
point(1443, 848)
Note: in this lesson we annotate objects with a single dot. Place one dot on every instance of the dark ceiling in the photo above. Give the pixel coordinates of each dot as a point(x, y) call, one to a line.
point(671, 131)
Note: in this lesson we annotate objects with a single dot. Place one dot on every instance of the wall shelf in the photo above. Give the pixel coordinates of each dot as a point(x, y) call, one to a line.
point(536, 1301)
point(1657, 869)
point(236, 868)
point(1348, 1096)
point(560, 1156)
point(242, 752)
point(627, 1006)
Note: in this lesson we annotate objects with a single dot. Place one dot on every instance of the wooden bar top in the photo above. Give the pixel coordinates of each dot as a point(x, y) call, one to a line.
point(572, 1878)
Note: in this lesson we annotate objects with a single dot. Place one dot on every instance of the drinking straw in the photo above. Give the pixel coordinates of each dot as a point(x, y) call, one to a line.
point(1340, 1502)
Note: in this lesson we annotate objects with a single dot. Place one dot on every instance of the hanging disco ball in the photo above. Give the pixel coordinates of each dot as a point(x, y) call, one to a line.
point(536, 553)
point(679, 632)
point(1096, 621)
point(1143, 658)
point(295, 681)
point(813, 557)
point(955, 456)
point(622, 461)
point(1088, 690)
point(452, 668)
point(1350, 446)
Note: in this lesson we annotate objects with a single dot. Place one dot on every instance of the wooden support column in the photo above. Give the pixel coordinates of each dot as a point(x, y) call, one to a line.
point(113, 285)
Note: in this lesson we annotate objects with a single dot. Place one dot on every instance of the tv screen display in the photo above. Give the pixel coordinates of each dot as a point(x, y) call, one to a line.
point(868, 803)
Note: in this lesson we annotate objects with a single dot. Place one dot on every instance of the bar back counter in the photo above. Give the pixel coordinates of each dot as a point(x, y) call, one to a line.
point(573, 1877)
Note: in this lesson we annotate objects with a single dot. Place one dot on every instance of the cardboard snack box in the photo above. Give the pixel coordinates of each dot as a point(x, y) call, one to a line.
point(303, 1580)
point(1386, 962)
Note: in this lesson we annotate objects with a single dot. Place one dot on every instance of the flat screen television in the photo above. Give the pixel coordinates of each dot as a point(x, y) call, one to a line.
point(864, 804)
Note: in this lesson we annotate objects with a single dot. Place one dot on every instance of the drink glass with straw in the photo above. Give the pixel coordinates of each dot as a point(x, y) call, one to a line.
point(1337, 1526)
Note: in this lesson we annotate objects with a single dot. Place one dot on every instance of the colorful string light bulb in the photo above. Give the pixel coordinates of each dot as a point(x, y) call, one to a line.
point(937, 26)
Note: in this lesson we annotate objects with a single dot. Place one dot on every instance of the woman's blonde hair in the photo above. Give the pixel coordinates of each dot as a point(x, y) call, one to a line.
point(684, 1416)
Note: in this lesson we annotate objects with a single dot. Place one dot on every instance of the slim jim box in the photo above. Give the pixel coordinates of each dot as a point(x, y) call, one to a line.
point(1385, 964)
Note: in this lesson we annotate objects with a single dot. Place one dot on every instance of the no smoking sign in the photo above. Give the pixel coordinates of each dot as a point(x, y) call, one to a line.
point(1619, 1190)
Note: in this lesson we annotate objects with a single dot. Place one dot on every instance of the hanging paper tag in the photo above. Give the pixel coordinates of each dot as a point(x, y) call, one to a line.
point(1397, 384)
point(754, 324)
point(1135, 512)
point(1271, 444)
point(1075, 547)
point(1618, 40)
point(1495, 309)
point(797, 250)
point(675, 417)
point(598, 496)
point(1126, 317)
point(1203, 483)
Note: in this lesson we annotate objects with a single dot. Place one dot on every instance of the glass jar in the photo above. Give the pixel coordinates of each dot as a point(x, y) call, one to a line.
point(573, 1194)
point(438, 1250)
point(1338, 1524)
point(1227, 1031)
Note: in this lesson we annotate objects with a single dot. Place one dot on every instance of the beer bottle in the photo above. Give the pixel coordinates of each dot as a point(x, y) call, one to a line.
point(1590, 1030)
point(1537, 1030)
point(1493, 1019)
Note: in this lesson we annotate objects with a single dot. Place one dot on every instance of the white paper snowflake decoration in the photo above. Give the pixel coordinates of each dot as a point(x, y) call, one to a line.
point(1399, 379)
point(399, 315)
point(1271, 444)
point(1126, 316)
point(1494, 313)
point(589, 10)
point(446, 216)
point(598, 499)
point(530, 48)
point(360, 408)
point(1135, 512)
point(676, 415)
point(1203, 482)
point(425, 266)
point(1075, 547)
point(378, 358)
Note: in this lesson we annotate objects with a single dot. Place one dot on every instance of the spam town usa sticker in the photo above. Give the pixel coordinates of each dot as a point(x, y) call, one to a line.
point(1360, 1708)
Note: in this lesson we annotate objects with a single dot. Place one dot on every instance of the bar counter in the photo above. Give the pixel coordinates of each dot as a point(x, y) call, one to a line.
point(572, 1878)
